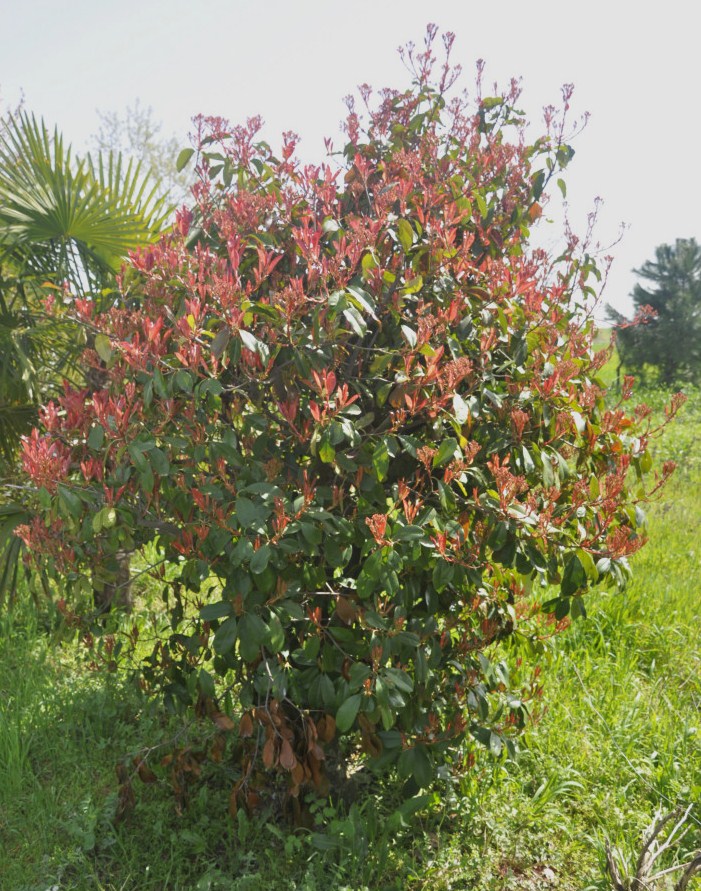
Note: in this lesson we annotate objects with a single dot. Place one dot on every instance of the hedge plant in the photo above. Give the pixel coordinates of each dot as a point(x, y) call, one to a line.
point(358, 416)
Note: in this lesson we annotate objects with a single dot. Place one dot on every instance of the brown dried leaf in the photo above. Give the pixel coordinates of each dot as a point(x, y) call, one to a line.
point(287, 756)
point(252, 800)
point(346, 610)
point(223, 721)
point(365, 723)
point(311, 733)
point(146, 775)
point(125, 801)
point(298, 774)
point(216, 751)
point(246, 726)
point(396, 397)
point(371, 745)
point(269, 756)
point(316, 769)
point(327, 728)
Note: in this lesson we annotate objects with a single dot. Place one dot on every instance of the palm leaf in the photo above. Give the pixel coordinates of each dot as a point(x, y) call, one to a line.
point(77, 208)
point(11, 547)
point(16, 420)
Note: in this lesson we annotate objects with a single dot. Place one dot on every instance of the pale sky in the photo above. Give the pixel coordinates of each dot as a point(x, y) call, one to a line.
point(636, 68)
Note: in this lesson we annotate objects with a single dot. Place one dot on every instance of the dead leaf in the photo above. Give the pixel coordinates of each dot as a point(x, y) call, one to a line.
point(146, 775)
point(327, 728)
point(223, 721)
point(346, 610)
point(298, 774)
point(287, 756)
point(246, 726)
point(216, 750)
point(269, 756)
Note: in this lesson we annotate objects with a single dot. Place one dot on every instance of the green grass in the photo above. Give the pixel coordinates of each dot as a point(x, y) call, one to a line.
point(616, 735)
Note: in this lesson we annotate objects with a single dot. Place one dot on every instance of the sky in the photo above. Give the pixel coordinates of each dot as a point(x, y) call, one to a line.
point(636, 69)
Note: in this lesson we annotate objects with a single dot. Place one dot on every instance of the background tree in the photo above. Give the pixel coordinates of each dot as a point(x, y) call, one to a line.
point(667, 334)
point(136, 134)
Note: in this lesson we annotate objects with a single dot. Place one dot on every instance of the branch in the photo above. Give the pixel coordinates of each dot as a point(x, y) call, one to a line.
point(690, 872)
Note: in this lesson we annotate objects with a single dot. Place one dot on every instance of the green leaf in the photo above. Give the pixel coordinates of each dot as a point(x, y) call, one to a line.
point(276, 637)
point(356, 321)
point(206, 683)
point(247, 513)
point(254, 345)
point(103, 519)
point(159, 461)
point(421, 767)
point(96, 437)
point(70, 501)
point(400, 818)
point(358, 674)
point(461, 409)
point(147, 479)
point(574, 577)
point(409, 335)
point(103, 348)
point(538, 183)
point(400, 679)
point(443, 573)
point(496, 744)
point(220, 342)
point(183, 158)
point(216, 610)
point(327, 453)
point(253, 633)
point(362, 299)
point(137, 456)
point(603, 565)
point(446, 451)
point(346, 714)
point(225, 637)
point(260, 559)
point(408, 533)
point(413, 285)
point(183, 380)
point(406, 235)
point(249, 340)
point(587, 561)
point(380, 460)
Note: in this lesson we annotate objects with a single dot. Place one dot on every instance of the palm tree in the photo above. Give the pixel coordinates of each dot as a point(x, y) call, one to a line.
point(66, 225)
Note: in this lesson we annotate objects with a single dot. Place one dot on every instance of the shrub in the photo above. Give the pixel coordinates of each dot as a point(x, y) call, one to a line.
point(359, 417)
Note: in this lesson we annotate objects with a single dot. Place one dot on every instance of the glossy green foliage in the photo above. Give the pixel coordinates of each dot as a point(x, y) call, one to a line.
point(360, 418)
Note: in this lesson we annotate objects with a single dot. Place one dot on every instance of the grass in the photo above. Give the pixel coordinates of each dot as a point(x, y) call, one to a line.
point(616, 736)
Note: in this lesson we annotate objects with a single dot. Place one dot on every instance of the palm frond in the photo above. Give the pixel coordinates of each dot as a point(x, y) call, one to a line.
point(11, 547)
point(15, 422)
point(101, 209)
